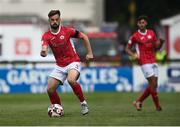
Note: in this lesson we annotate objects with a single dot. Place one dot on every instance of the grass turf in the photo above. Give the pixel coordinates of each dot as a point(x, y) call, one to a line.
point(106, 109)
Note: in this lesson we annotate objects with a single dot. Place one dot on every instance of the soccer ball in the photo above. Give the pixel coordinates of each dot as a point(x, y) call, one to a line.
point(55, 110)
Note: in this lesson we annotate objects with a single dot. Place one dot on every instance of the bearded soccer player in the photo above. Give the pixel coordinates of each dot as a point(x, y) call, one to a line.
point(58, 38)
point(146, 43)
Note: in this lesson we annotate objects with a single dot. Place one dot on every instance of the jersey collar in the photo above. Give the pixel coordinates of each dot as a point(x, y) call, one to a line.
point(143, 33)
point(57, 31)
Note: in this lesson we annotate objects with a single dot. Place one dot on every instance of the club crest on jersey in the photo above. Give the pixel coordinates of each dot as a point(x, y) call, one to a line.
point(149, 36)
point(61, 37)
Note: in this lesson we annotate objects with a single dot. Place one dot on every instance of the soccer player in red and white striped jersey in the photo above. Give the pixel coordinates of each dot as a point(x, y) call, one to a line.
point(146, 43)
point(58, 38)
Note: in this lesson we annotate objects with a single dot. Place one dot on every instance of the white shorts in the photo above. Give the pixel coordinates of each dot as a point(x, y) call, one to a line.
point(150, 70)
point(60, 73)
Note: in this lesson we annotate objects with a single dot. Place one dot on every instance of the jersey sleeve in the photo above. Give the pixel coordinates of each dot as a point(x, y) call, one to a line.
point(131, 41)
point(44, 40)
point(74, 33)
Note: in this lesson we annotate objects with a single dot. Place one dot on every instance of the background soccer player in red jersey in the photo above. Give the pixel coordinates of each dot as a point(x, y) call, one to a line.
point(58, 38)
point(146, 43)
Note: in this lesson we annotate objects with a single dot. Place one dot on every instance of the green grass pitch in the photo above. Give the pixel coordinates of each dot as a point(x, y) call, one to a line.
point(106, 109)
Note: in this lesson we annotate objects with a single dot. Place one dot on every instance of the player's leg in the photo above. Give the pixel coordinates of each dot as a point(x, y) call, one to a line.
point(72, 77)
point(153, 91)
point(146, 69)
point(57, 77)
point(51, 90)
point(144, 95)
point(139, 101)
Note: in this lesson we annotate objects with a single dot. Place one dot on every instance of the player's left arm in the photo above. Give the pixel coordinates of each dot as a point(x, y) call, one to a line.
point(87, 45)
point(159, 43)
point(77, 34)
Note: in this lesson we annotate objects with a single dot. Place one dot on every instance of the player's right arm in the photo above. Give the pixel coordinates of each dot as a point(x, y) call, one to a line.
point(44, 48)
point(44, 51)
point(129, 51)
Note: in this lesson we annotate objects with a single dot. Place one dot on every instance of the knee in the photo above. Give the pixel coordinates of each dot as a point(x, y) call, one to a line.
point(71, 81)
point(50, 90)
point(154, 84)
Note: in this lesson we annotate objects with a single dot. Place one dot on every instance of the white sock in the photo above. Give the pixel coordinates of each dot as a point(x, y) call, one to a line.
point(84, 102)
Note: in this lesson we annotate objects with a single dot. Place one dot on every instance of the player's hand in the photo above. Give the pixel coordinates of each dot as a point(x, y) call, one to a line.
point(135, 56)
point(43, 53)
point(159, 43)
point(89, 57)
point(161, 40)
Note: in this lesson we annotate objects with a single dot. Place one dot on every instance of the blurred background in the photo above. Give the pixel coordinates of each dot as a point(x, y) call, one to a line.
point(108, 23)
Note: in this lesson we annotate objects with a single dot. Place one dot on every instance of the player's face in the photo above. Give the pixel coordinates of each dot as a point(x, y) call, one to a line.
point(54, 21)
point(142, 24)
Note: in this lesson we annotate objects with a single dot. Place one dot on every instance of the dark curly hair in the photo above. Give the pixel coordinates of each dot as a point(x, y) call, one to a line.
point(54, 12)
point(145, 17)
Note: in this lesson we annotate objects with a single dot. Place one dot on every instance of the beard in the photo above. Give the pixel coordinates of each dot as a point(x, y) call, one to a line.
point(54, 26)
